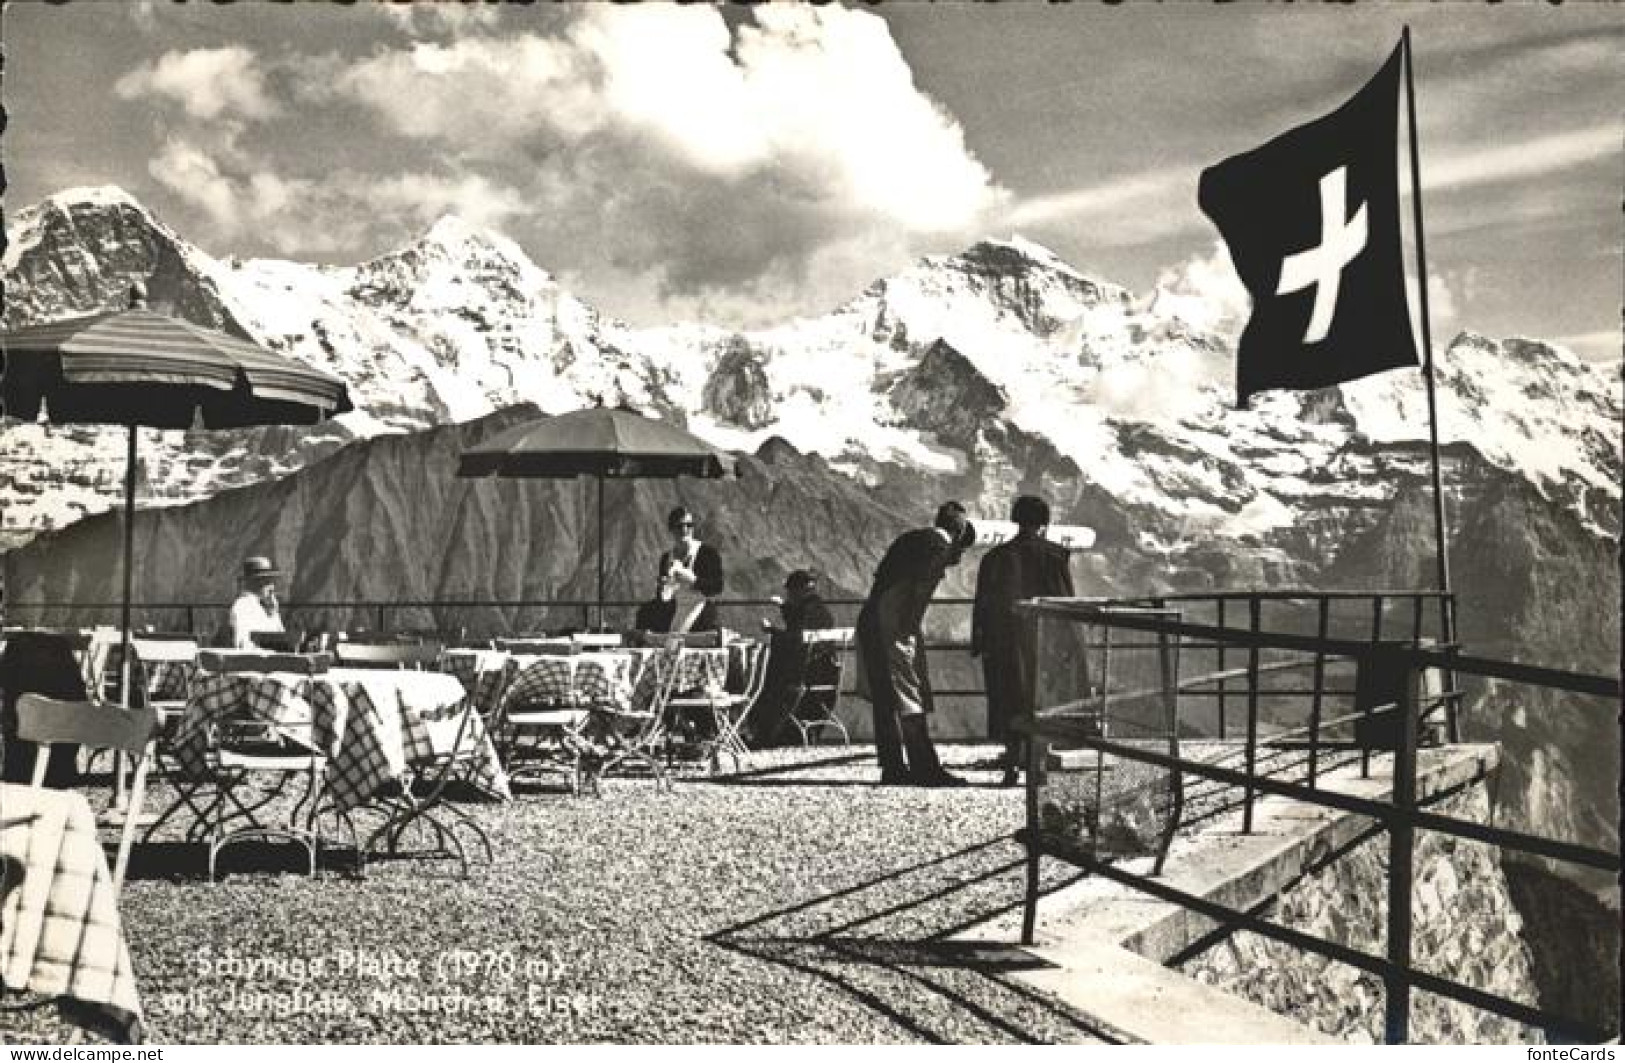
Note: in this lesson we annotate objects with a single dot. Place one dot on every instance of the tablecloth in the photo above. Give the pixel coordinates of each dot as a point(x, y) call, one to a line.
point(371, 725)
point(60, 931)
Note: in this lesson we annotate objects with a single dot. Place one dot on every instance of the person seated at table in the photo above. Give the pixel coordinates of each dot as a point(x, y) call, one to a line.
point(255, 609)
point(790, 669)
point(689, 579)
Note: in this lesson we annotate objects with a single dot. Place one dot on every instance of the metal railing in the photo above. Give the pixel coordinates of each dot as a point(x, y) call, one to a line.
point(1400, 670)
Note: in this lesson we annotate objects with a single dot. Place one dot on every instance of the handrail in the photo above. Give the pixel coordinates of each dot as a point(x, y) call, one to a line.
point(1426, 656)
point(1400, 816)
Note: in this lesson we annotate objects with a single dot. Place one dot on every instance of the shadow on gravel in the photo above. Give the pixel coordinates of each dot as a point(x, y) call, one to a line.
point(884, 943)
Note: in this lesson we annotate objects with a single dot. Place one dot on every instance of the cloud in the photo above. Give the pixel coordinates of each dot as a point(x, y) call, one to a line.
point(1606, 345)
point(1204, 292)
point(704, 162)
point(1124, 211)
point(207, 83)
point(425, 198)
point(1554, 153)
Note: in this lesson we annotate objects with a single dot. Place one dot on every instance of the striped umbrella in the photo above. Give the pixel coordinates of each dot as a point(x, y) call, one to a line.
point(602, 443)
point(139, 368)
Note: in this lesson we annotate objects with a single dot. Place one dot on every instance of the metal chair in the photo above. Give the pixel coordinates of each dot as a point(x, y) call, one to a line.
point(636, 736)
point(817, 705)
point(728, 710)
point(93, 725)
point(537, 738)
point(421, 796)
point(244, 745)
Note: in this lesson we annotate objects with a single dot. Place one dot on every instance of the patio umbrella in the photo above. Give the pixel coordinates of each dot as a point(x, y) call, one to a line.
point(137, 368)
point(607, 444)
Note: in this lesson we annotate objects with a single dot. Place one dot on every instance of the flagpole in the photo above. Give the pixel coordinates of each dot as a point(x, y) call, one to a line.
point(1447, 615)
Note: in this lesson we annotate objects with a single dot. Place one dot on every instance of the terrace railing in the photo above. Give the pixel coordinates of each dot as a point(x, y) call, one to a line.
point(1399, 699)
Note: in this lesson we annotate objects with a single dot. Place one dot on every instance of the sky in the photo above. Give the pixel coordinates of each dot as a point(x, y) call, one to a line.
point(743, 165)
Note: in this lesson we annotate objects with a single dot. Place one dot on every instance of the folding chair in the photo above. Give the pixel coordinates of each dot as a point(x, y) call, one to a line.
point(728, 710)
point(93, 725)
point(536, 738)
point(158, 662)
point(820, 688)
point(636, 735)
point(244, 745)
point(421, 796)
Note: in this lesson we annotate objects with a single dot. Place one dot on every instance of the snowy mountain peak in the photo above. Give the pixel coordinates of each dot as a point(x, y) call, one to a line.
point(459, 240)
point(68, 208)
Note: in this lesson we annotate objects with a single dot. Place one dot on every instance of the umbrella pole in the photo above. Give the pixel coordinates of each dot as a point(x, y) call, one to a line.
point(600, 553)
point(120, 797)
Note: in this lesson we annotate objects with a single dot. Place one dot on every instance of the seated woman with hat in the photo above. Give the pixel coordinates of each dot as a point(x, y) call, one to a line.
point(255, 609)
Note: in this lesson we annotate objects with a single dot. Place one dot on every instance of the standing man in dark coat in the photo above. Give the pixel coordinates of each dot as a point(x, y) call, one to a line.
point(1028, 566)
point(891, 647)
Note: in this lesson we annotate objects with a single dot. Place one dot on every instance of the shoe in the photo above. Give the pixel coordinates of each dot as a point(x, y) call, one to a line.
point(1012, 776)
point(941, 780)
point(896, 778)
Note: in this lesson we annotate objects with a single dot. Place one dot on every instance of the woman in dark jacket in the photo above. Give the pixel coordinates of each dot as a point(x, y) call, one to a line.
point(689, 578)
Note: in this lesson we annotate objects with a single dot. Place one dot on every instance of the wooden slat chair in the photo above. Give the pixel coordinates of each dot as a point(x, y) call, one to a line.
point(93, 725)
point(416, 655)
point(816, 708)
point(537, 740)
point(560, 646)
point(153, 658)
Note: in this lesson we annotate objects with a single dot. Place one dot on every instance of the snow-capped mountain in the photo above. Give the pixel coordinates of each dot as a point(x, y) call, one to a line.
point(952, 366)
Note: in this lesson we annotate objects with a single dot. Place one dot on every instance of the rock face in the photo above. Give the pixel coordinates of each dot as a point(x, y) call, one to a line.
point(1465, 928)
point(738, 392)
point(389, 520)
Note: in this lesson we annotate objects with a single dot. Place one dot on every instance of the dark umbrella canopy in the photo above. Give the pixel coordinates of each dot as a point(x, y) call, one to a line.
point(602, 443)
point(614, 443)
point(139, 367)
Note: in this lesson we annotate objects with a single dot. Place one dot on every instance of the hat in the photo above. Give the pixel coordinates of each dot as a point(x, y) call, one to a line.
point(259, 569)
point(800, 579)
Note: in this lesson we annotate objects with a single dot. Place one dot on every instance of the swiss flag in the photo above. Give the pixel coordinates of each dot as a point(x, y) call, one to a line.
point(1312, 223)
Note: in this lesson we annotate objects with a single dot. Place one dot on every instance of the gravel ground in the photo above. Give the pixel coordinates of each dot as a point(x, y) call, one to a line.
point(796, 902)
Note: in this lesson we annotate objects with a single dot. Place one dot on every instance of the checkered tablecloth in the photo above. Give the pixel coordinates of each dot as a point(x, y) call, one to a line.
point(698, 669)
point(169, 680)
point(60, 933)
point(575, 681)
point(482, 673)
point(371, 725)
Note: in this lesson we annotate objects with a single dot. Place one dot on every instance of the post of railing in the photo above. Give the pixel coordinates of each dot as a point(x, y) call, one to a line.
point(1447, 609)
point(1254, 616)
point(1223, 683)
point(1322, 627)
point(191, 621)
point(1401, 844)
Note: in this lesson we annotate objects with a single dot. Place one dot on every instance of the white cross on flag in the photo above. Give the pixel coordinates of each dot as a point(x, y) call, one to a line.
point(1312, 223)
